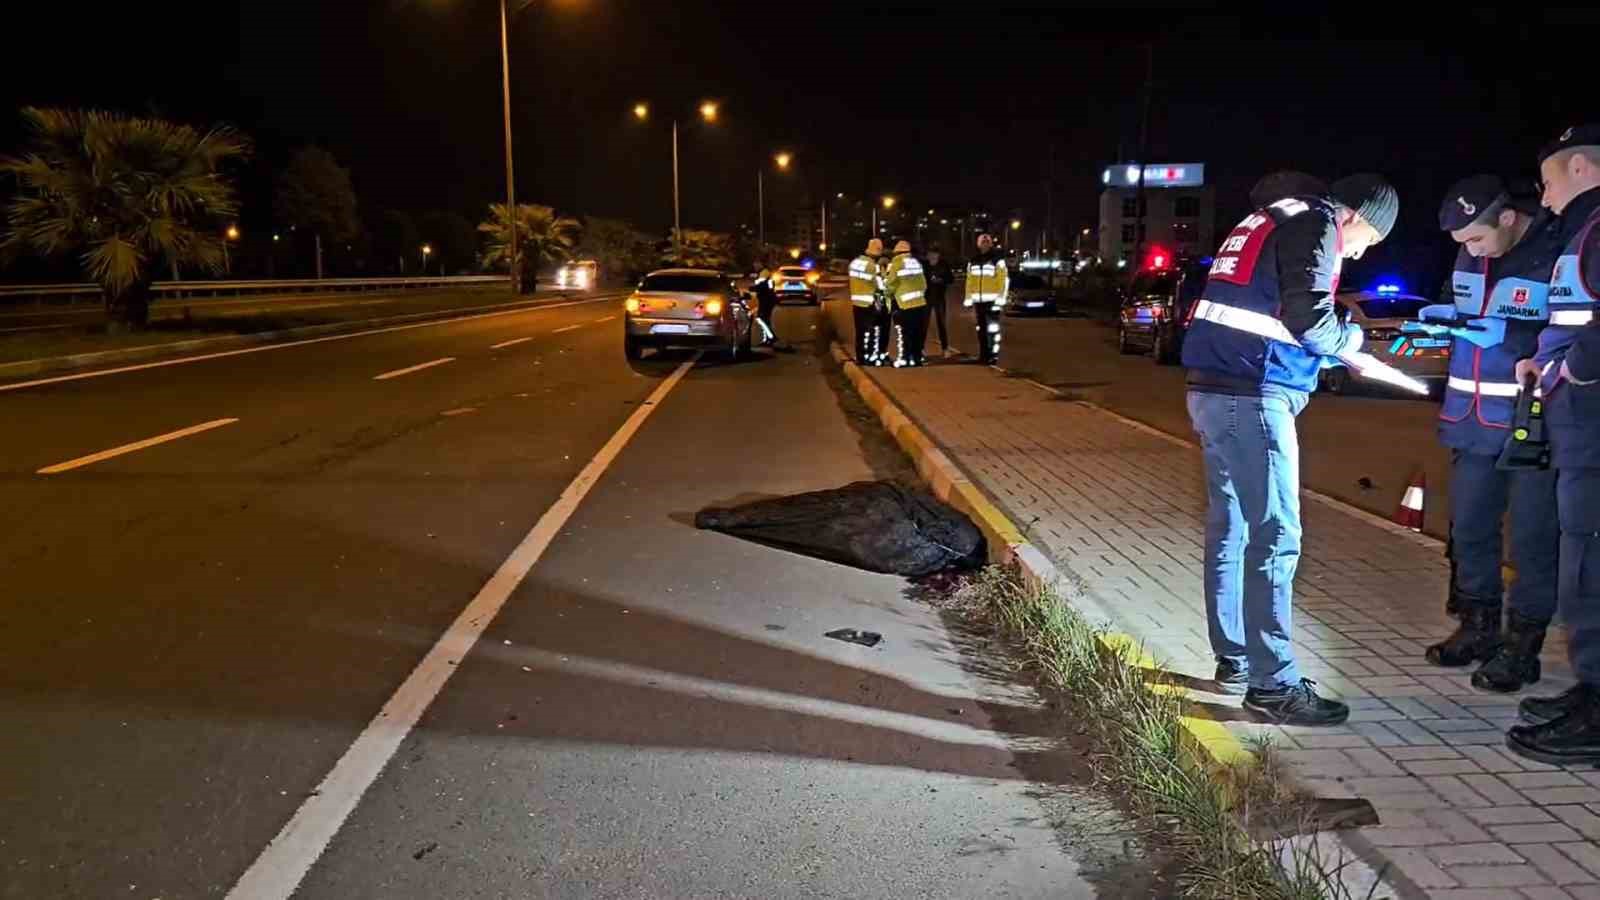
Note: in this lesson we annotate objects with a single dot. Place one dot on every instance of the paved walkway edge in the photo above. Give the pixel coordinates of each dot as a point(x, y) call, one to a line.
point(47, 364)
point(1008, 546)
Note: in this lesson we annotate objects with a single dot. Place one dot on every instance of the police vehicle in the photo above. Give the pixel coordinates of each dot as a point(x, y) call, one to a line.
point(1380, 313)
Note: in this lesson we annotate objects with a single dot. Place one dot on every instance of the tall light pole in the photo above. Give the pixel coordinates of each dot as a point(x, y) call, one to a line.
point(511, 179)
point(782, 159)
point(228, 237)
point(708, 112)
point(427, 250)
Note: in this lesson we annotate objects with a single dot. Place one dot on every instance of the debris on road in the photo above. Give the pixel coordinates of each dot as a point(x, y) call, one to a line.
point(852, 636)
point(879, 526)
point(425, 849)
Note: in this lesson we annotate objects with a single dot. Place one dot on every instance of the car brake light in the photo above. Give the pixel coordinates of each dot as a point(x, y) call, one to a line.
point(713, 307)
point(631, 305)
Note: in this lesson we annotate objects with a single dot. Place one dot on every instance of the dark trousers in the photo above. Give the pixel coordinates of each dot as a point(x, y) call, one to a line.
point(766, 304)
point(1578, 497)
point(936, 307)
point(1480, 496)
point(988, 332)
point(911, 333)
point(872, 336)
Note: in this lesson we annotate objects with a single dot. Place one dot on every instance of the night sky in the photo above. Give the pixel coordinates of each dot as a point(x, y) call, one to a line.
point(981, 104)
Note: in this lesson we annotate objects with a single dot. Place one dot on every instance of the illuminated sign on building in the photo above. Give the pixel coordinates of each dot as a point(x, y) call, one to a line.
point(1163, 175)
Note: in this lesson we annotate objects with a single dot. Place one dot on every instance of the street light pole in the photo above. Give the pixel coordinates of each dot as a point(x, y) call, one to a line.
point(511, 181)
point(761, 204)
point(677, 223)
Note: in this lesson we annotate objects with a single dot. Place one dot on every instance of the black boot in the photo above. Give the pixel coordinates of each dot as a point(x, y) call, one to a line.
point(1539, 710)
point(1573, 739)
point(1475, 640)
point(1517, 663)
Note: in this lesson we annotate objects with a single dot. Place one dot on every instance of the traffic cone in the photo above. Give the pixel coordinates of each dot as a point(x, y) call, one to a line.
point(1409, 515)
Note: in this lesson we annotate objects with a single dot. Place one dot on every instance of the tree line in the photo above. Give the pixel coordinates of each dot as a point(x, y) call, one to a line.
point(126, 201)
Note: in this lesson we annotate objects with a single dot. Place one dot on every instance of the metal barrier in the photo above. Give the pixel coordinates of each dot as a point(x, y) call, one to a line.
point(15, 292)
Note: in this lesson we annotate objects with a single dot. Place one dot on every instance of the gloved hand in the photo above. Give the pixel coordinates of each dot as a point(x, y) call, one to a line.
point(1353, 339)
point(1444, 311)
point(1425, 328)
point(1483, 332)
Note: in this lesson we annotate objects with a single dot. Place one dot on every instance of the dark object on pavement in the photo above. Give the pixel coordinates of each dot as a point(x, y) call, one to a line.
point(879, 526)
point(850, 635)
point(1365, 483)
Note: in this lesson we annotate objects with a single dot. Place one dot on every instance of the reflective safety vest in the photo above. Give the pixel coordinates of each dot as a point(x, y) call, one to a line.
point(1481, 394)
point(987, 280)
point(905, 282)
point(866, 279)
point(1572, 412)
point(1234, 329)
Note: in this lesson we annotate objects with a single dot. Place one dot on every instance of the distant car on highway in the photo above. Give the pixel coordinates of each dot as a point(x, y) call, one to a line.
point(796, 283)
point(1155, 309)
point(1031, 295)
point(686, 308)
point(579, 275)
point(1379, 313)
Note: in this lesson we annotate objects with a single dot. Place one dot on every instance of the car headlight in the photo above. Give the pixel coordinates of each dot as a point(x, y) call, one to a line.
point(631, 305)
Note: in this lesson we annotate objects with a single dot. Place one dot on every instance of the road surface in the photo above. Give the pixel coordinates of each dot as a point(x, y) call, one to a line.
point(234, 585)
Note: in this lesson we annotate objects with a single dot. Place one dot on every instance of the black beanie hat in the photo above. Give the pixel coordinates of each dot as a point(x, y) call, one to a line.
point(1371, 197)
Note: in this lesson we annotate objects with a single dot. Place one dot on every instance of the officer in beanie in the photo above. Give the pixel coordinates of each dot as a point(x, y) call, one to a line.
point(1257, 340)
point(1498, 305)
point(1565, 729)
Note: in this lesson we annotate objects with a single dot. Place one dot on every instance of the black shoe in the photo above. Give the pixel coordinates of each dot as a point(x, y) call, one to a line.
point(1296, 705)
point(1573, 739)
point(1232, 677)
point(1516, 665)
point(1476, 639)
point(1539, 710)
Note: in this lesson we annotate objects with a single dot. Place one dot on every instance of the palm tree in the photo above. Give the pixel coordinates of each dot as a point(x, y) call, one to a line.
point(701, 250)
point(125, 194)
point(543, 238)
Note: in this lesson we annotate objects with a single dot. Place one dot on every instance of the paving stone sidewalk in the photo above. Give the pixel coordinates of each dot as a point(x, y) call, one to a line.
point(1122, 507)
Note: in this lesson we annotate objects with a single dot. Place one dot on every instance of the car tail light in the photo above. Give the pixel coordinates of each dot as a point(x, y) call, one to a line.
point(631, 305)
point(712, 308)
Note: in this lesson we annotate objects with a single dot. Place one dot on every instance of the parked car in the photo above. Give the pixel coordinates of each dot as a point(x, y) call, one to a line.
point(1380, 313)
point(1031, 294)
point(686, 308)
point(1155, 310)
point(796, 283)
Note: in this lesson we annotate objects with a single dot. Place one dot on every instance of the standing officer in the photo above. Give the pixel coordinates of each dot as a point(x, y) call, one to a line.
point(986, 287)
point(1566, 728)
point(766, 304)
point(907, 289)
point(1257, 339)
point(1499, 288)
point(866, 285)
point(939, 278)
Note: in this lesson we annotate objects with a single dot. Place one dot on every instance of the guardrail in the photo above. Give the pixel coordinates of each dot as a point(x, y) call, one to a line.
point(40, 292)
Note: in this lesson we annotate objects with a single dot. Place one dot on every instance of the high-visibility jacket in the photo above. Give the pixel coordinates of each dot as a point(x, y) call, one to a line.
point(1481, 394)
point(1267, 315)
point(866, 279)
point(1571, 410)
point(987, 279)
point(906, 284)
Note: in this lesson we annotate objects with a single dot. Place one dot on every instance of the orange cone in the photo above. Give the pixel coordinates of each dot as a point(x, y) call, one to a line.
point(1409, 514)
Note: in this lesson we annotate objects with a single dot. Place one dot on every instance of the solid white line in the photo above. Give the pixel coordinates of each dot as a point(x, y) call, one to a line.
point(279, 869)
point(93, 458)
point(416, 368)
point(568, 328)
point(606, 319)
point(301, 343)
point(511, 343)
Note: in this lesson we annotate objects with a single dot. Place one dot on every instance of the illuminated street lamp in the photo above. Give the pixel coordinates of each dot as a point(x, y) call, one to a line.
point(1016, 224)
point(708, 112)
point(782, 159)
point(641, 111)
point(228, 237)
point(794, 252)
point(888, 203)
point(427, 250)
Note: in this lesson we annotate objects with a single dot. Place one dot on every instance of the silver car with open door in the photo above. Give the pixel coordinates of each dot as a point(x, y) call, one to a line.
point(686, 308)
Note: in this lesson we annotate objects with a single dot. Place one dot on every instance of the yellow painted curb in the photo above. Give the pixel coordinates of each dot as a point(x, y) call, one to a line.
point(1218, 745)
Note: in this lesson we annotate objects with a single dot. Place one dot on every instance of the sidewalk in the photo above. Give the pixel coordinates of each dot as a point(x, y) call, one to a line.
point(1121, 507)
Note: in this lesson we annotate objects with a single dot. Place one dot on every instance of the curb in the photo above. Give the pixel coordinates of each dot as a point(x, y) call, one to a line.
point(1008, 546)
point(44, 365)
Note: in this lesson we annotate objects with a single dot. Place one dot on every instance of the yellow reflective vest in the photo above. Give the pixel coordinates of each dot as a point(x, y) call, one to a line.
point(866, 277)
point(905, 282)
point(987, 280)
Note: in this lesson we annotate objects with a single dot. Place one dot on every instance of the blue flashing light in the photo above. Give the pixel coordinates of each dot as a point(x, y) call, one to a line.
point(808, 263)
point(1388, 287)
point(1206, 261)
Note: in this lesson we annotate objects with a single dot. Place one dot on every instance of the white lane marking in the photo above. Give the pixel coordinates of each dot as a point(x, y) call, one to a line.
point(459, 411)
point(301, 343)
point(606, 319)
point(568, 328)
point(416, 368)
point(93, 458)
point(511, 343)
point(279, 869)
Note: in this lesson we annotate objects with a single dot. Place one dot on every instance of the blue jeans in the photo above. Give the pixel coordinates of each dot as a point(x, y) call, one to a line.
point(1480, 496)
point(1252, 457)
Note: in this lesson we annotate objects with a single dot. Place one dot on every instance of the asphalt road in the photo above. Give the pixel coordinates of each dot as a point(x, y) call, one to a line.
point(1343, 439)
point(200, 629)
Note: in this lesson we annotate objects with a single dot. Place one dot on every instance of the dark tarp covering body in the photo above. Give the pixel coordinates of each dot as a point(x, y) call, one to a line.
point(879, 526)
